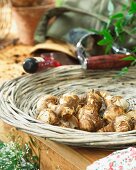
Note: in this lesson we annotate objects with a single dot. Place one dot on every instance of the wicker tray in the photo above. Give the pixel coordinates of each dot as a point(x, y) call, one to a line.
point(19, 96)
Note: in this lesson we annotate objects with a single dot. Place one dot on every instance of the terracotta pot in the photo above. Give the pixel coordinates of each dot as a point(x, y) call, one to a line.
point(30, 3)
point(27, 19)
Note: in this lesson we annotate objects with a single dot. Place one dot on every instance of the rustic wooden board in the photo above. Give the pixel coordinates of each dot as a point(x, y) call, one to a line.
point(54, 156)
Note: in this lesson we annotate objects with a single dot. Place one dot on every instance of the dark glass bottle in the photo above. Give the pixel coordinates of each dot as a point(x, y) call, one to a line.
point(44, 61)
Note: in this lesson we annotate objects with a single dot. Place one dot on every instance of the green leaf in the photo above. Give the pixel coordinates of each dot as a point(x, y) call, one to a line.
point(1, 144)
point(117, 16)
point(128, 18)
point(132, 9)
point(129, 58)
point(118, 28)
point(134, 49)
point(124, 7)
point(12, 157)
point(107, 35)
point(107, 40)
point(108, 48)
point(121, 27)
point(93, 31)
point(103, 42)
point(122, 72)
point(125, 69)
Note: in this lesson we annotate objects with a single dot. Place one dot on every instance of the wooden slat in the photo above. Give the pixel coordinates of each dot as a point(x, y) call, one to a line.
point(64, 156)
point(54, 156)
point(93, 154)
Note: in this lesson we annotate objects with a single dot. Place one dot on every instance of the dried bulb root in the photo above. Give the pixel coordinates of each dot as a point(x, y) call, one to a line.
point(103, 94)
point(89, 122)
point(132, 115)
point(107, 128)
point(69, 100)
point(86, 124)
point(123, 123)
point(82, 99)
point(83, 112)
point(99, 123)
point(112, 112)
point(64, 123)
point(43, 101)
point(108, 101)
point(134, 121)
point(74, 122)
point(106, 97)
point(70, 123)
point(77, 109)
point(94, 98)
point(48, 116)
point(113, 100)
point(88, 109)
point(61, 111)
point(117, 100)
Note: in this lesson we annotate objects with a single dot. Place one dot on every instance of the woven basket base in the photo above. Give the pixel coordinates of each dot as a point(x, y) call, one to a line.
point(19, 98)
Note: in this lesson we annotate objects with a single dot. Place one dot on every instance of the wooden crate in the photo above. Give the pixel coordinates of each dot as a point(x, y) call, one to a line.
point(52, 155)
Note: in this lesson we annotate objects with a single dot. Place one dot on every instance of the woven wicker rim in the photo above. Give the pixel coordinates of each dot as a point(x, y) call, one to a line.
point(18, 100)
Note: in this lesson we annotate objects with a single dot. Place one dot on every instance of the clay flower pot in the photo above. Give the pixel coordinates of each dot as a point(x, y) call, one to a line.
point(26, 19)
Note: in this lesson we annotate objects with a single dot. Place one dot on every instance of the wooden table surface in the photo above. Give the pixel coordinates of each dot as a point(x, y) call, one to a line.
point(53, 156)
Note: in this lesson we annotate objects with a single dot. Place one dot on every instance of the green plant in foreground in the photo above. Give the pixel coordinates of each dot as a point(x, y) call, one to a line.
point(14, 157)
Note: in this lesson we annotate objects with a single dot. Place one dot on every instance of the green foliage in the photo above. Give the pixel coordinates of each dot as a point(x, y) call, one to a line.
point(107, 40)
point(129, 58)
point(120, 28)
point(14, 157)
point(122, 72)
point(132, 9)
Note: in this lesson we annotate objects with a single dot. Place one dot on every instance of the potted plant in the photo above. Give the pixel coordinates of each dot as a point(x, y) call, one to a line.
point(27, 14)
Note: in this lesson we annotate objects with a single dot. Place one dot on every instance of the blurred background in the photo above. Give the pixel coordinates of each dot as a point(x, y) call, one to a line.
point(34, 27)
point(18, 19)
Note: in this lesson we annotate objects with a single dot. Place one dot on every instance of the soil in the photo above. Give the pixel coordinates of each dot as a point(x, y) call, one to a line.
point(11, 59)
